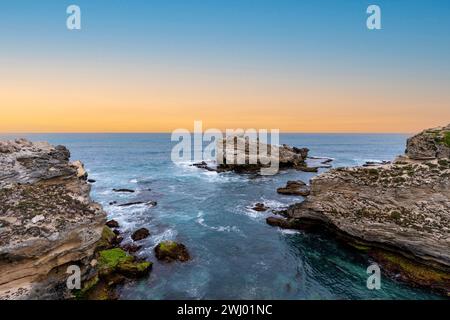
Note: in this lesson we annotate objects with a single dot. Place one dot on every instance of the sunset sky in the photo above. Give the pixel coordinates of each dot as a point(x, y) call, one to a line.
point(154, 66)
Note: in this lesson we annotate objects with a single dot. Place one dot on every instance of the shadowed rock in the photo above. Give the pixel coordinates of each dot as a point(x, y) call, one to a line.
point(140, 234)
point(296, 188)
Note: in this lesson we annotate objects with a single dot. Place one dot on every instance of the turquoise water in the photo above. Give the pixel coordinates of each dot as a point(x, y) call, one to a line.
point(236, 255)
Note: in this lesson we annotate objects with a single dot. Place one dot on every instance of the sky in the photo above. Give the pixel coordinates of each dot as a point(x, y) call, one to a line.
point(159, 65)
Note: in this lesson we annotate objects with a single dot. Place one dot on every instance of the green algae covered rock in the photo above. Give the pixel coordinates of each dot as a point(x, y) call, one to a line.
point(117, 260)
point(171, 251)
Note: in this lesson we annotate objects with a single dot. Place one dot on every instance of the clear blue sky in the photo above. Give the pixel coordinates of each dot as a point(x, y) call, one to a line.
point(325, 41)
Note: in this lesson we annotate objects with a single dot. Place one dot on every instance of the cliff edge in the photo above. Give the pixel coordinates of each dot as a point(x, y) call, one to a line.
point(402, 208)
point(47, 219)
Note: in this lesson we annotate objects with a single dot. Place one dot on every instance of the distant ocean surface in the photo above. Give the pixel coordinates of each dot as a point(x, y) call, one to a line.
point(236, 255)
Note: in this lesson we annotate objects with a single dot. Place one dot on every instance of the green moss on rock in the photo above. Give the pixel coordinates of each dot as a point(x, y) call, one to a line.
point(87, 287)
point(170, 251)
point(446, 139)
point(107, 239)
point(412, 272)
point(117, 260)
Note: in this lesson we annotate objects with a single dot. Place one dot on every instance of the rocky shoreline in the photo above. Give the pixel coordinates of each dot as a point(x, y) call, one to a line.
point(49, 223)
point(398, 212)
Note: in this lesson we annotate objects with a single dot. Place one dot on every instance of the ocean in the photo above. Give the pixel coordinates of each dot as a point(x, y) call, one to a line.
point(235, 254)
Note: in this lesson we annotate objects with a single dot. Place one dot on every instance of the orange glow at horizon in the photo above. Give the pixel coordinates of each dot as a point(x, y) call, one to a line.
point(48, 100)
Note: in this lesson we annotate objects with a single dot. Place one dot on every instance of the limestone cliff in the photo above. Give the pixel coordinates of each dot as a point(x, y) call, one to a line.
point(47, 219)
point(403, 207)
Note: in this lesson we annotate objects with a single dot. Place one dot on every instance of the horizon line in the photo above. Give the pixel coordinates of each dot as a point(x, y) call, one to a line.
point(169, 132)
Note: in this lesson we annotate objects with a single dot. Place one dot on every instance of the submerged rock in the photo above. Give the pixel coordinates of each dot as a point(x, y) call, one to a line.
point(297, 188)
point(140, 234)
point(203, 165)
point(134, 203)
point(260, 207)
point(403, 206)
point(48, 220)
point(124, 190)
point(171, 251)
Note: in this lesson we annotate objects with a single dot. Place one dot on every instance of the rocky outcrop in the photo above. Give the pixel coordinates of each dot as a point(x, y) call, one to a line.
point(242, 155)
point(47, 219)
point(295, 188)
point(430, 144)
point(402, 208)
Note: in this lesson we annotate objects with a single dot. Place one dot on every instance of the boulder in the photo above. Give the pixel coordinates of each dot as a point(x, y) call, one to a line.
point(140, 234)
point(171, 251)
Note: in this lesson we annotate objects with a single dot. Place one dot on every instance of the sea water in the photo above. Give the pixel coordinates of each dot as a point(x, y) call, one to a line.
point(235, 254)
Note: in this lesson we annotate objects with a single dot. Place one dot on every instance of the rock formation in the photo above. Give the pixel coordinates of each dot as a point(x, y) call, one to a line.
point(295, 188)
point(430, 144)
point(402, 208)
point(170, 251)
point(47, 219)
point(255, 155)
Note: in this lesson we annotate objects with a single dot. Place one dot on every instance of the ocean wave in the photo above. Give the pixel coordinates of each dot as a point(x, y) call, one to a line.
point(258, 215)
point(168, 234)
point(201, 221)
point(288, 231)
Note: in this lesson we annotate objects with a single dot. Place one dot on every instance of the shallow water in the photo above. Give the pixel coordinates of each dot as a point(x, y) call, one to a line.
point(236, 255)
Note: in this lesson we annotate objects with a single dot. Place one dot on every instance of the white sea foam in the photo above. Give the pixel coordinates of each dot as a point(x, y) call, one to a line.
point(168, 234)
point(200, 220)
point(271, 204)
point(288, 231)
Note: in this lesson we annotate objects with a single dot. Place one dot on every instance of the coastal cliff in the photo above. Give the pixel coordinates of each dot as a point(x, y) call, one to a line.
point(402, 208)
point(47, 219)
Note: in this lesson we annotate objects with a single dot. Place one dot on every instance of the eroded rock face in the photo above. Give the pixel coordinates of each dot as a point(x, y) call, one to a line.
point(403, 207)
point(47, 219)
point(429, 144)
